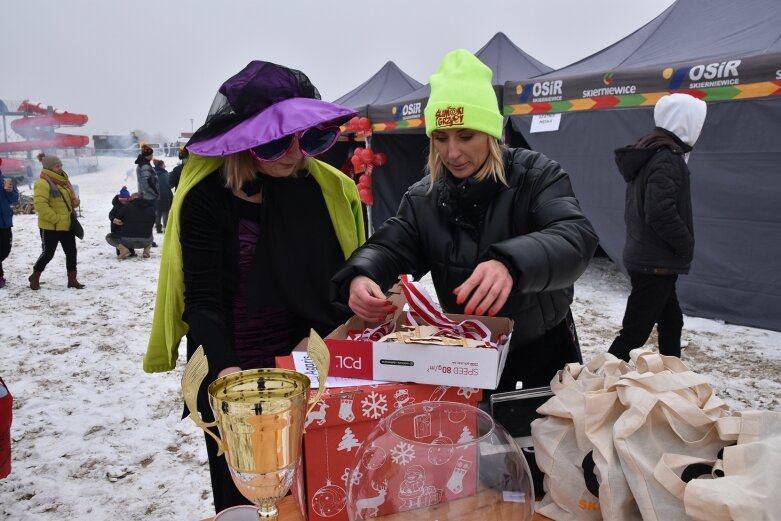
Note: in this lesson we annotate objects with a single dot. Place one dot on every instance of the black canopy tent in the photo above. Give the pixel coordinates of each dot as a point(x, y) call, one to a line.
point(727, 53)
point(399, 127)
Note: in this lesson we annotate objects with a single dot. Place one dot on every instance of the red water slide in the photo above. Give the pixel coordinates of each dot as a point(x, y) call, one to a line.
point(13, 167)
point(38, 129)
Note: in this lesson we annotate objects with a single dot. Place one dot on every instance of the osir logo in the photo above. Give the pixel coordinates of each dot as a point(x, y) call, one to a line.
point(546, 90)
point(408, 111)
point(704, 75)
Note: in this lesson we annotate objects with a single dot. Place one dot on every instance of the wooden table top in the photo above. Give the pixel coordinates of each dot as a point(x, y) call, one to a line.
point(289, 512)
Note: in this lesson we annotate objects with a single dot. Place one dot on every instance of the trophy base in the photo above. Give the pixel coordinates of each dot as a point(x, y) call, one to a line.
point(239, 513)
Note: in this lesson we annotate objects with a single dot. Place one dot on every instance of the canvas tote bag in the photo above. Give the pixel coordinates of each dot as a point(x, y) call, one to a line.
point(668, 409)
point(562, 448)
point(602, 410)
point(744, 482)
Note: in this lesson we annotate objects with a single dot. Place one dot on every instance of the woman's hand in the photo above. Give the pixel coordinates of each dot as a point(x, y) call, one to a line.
point(486, 288)
point(367, 300)
point(228, 370)
point(117, 221)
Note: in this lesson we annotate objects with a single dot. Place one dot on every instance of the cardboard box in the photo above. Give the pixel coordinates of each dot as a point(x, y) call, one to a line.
point(340, 422)
point(419, 363)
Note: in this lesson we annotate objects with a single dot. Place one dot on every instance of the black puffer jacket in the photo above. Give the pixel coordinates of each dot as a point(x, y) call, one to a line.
point(534, 226)
point(164, 188)
point(115, 205)
point(138, 217)
point(658, 214)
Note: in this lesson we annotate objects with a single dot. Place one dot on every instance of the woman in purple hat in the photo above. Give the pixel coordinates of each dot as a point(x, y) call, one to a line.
point(257, 228)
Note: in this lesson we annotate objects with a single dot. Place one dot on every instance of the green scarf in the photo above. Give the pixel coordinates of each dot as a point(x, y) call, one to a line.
point(168, 328)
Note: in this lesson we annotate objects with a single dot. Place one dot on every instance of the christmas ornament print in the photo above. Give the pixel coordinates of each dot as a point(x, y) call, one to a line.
point(441, 450)
point(329, 500)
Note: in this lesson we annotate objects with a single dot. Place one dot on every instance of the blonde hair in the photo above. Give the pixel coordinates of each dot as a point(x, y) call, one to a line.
point(493, 167)
point(238, 168)
point(241, 167)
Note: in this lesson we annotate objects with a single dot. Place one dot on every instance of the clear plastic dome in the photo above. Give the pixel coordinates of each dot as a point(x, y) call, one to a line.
point(443, 460)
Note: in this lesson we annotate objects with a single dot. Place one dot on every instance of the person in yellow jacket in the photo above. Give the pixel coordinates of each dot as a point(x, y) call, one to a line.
point(257, 228)
point(54, 200)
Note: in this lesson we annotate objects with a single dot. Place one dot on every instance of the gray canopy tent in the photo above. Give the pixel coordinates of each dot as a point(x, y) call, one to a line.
point(727, 53)
point(399, 127)
point(386, 84)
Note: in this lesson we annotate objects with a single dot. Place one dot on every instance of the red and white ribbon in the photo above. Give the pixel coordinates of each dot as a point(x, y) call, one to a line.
point(422, 306)
point(423, 309)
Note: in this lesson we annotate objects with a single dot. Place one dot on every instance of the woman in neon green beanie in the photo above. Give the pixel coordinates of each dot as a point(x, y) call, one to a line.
point(499, 229)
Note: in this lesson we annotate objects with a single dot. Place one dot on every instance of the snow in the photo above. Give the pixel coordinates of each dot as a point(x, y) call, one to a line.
point(96, 438)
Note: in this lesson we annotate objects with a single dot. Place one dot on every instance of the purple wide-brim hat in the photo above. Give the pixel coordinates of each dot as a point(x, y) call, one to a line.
point(278, 120)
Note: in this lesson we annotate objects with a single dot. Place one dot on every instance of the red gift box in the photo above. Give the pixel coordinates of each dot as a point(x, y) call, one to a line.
point(6, 413)
point(343, 418)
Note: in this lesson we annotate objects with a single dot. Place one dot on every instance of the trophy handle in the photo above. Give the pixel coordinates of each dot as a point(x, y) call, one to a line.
point(318, 352)
point(194, 372)
point(205, 426)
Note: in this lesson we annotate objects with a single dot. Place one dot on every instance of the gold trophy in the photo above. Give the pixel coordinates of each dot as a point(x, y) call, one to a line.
point(260, 415)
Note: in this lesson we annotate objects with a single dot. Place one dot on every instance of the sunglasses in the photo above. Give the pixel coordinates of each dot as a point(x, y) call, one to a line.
point(312, 142)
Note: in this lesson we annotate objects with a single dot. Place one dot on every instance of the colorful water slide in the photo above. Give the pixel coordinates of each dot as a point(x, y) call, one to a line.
point(39, 129)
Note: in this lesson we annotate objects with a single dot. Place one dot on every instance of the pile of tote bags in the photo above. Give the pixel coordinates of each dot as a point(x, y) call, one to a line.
point(651, 441)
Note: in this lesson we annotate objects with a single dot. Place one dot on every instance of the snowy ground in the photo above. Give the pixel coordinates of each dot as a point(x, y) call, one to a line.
point(97, 439)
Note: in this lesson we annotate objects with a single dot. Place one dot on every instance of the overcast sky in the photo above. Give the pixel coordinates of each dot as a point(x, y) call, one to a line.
point(154, 65)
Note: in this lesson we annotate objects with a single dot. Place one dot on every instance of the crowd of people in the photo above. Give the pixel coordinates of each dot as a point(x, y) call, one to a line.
point(264, 242)
point(133, 217)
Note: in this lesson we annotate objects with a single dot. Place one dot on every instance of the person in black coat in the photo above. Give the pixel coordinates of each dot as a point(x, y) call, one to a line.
point(659, 231)
point(173, 178)
point(166, 196)
point(499, 229)
point(122, 198)
point(134, 220)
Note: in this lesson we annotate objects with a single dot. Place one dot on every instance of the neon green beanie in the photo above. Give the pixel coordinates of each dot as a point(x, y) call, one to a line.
point(462, 96)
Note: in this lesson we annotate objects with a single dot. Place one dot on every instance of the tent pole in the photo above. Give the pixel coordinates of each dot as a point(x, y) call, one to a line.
point(369, 226)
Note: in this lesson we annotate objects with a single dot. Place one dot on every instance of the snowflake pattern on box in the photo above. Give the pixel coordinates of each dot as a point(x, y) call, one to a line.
point(402, 453)
point(374, 406)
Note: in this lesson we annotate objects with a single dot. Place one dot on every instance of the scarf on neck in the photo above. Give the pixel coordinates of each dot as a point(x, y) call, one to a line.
point(168, 328)
point(57, 182)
